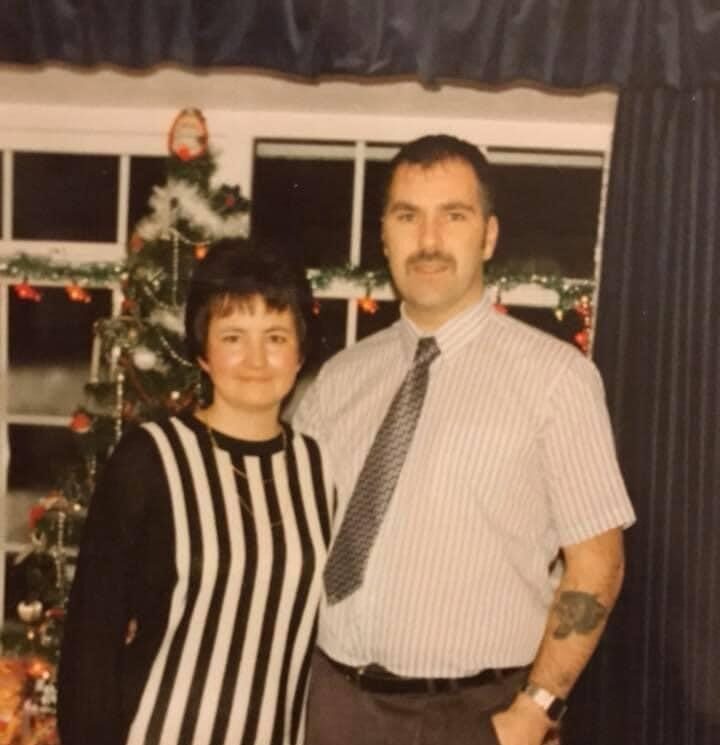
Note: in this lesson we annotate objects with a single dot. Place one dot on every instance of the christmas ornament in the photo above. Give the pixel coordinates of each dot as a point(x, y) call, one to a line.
point(500, 308)
point(26, 291)
point(368, 305)
point(144, 358)
point(200, 251)
point(136, 243)
point(80, 423)
point(188, 136)
point(29, 612)
point(78, 294)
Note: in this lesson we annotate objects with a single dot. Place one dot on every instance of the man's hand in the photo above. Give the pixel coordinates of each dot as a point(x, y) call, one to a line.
point(523, 723)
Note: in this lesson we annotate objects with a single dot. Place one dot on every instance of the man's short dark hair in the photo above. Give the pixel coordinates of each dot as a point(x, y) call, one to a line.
point(236, 270)
point(432, 149)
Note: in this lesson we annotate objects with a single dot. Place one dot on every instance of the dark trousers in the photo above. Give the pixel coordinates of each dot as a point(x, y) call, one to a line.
point(341, 713)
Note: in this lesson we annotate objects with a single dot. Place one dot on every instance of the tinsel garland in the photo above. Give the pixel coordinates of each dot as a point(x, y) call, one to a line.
point(37, 269)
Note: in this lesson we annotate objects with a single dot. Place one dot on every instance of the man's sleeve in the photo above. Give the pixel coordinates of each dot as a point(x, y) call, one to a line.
point(583, 478)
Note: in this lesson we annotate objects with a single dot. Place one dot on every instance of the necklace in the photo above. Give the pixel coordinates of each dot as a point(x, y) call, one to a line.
point(242, 473)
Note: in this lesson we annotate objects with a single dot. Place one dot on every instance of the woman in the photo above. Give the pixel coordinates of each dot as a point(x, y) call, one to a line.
point(192, 615)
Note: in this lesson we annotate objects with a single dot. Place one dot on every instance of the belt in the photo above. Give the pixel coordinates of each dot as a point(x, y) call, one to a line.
point(377, 679)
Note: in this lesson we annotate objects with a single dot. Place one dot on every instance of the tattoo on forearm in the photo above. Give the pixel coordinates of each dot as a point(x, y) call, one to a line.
point(578, 612)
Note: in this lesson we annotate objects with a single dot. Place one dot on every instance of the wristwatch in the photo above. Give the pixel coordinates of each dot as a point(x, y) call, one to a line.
point(554, 706)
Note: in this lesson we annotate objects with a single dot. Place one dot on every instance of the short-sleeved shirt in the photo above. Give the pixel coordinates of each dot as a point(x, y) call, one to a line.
point(512, 458)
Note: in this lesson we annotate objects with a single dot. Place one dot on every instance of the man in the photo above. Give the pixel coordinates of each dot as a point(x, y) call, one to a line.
point(482, 586)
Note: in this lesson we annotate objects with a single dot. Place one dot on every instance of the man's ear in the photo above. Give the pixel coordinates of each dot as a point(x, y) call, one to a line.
point(492, 231)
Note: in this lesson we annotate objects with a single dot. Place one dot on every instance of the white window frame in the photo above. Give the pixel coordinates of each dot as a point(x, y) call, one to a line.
point(233, 134)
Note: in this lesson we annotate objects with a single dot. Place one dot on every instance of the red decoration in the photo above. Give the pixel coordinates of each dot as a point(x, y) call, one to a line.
point(128, 306)
point(584, 309)
point(78, 294)
point(368, 305)
point(200, 251)
point(26, 291)
point(37, 512)
point(500, 308)
point(582, 339)
point(136, 243)
point(316, 308)
point(80, 422)
point(188, 136)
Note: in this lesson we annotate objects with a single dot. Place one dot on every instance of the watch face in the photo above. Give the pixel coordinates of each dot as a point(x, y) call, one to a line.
point(553, 706)
point(188, 135)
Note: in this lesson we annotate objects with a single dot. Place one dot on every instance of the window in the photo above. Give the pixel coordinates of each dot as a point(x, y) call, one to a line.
point(71, 207)
point(74, 188)
point(324, 201)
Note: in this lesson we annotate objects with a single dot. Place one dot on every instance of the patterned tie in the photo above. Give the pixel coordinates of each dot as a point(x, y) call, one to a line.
point(345, 567)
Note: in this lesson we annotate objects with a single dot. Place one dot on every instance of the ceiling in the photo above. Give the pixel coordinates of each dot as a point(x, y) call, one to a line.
point(253, 90)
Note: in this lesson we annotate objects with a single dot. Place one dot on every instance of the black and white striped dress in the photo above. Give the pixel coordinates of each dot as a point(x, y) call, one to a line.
point(222, 573)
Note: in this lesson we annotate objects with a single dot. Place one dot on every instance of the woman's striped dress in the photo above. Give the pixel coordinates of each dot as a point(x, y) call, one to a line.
point(221, 569)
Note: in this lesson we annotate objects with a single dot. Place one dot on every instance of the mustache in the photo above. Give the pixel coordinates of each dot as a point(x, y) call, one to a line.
point(421, 256)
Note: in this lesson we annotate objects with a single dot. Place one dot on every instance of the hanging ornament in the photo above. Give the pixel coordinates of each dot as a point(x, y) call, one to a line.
point(26, 291)
point(136, 243)
point(316, 307)
point(582, 339)
point(80, 423)
point(584, 309)
point(128, 305)
point(188, 136)
point(500, 308)
point(30, 612)
point(200, 251)
point(78, 294)
point(368, 305)
point(559, 314)
point(144, 358)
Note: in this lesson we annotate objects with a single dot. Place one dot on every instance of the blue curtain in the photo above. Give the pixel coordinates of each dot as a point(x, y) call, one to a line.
point(656, 679)
point(563, 43)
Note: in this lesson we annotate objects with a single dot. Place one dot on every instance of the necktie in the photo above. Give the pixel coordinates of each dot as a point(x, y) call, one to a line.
point(346, 564)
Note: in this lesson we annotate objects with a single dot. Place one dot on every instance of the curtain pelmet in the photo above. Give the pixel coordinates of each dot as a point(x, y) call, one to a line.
point(561, 43)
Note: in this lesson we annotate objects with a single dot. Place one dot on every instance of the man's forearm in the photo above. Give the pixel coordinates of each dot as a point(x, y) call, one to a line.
point(583, 601)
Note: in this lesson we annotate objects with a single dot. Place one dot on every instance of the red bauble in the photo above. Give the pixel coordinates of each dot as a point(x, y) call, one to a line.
point(368, 305)
point(26, 291)
point(80, 422)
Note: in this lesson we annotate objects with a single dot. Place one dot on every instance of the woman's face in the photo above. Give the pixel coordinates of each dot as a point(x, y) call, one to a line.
point(252, 356)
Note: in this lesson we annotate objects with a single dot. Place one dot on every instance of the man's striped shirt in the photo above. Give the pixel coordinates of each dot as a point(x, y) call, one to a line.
point(512, 458)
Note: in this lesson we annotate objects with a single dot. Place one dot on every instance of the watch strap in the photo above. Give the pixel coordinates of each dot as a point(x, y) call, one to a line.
point(554, 706)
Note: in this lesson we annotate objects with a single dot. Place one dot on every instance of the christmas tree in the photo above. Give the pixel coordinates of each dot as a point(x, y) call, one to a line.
point(138, 371)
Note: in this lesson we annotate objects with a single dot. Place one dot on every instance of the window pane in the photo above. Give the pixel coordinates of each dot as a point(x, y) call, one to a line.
point(386, 314)
point(145, 173)
point(39, 456)
point(304, 205)
point(50, 345)
point(65, 197)
point(331, 326)
point(548, 218)
point(375, 176)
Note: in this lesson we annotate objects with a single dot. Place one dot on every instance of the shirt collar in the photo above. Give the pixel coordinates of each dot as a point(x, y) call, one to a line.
point(453, 334)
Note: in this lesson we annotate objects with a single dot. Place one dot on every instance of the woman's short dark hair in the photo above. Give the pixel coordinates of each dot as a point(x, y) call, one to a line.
point(235, 270)
point(429, 150)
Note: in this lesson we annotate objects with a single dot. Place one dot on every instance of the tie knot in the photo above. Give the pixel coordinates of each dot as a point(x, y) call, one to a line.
point(427, 350)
